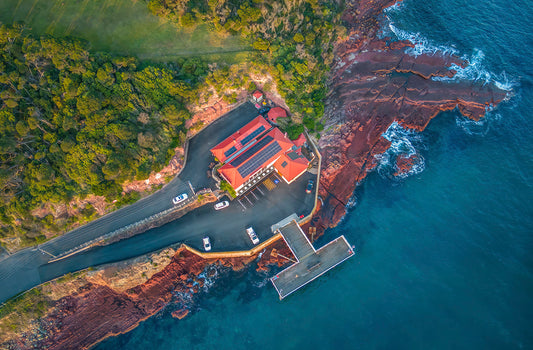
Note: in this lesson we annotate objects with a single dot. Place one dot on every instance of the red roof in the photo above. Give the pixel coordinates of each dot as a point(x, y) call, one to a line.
point(275, 113)
point(257, 94)
point(291, 165)
point(224, 150)
point(233, 176)
point(299, 142)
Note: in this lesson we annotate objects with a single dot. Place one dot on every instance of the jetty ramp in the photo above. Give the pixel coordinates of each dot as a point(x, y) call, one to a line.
point(311, 263)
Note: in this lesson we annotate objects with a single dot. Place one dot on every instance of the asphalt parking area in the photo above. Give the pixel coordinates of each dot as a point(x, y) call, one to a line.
point(258, 192)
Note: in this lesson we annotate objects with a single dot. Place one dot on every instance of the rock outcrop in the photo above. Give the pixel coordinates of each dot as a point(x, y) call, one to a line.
point(375, 82)
point(95, 307)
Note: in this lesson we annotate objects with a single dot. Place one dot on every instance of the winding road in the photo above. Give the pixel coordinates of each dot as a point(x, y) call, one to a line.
point(31, 266)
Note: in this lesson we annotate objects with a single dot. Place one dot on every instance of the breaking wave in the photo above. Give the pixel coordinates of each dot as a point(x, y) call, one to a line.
point(404, 143)
point(422, 44)
point(480, 127)
point(476, 69)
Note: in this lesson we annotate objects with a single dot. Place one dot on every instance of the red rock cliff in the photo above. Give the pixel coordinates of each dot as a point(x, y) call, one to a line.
point(374, 83)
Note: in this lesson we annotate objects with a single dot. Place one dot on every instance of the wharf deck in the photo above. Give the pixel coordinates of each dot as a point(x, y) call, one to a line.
point(311, 263)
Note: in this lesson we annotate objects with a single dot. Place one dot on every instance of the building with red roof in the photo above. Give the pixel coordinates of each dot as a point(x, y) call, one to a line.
point(291, 165)
point(256, 150)
point(257, 96)
point(275, 113)
point(300, 141)
point(240, 139)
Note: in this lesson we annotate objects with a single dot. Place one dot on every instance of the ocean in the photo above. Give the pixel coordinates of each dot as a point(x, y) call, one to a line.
point(443, 256)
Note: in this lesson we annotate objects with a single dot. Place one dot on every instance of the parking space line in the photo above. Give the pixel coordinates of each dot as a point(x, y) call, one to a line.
point(254, 194)
point(238, 200)
point(260, 190)
point(249, 201)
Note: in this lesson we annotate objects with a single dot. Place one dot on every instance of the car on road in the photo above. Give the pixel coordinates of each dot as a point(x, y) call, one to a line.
point(207, 243)
point(221, 205)
point(309, 187)
point(178, 199)
point(250, 231)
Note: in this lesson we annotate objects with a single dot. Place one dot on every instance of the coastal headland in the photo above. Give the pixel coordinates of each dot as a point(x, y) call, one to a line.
point(373, 84)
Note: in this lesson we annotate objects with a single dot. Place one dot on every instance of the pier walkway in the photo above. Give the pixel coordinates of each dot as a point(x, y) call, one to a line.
point(311, 263)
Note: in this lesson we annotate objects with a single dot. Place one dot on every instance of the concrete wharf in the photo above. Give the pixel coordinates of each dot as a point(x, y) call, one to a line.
point(311, 263)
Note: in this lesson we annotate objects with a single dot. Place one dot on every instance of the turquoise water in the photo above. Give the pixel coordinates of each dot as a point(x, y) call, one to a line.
point(444, 257)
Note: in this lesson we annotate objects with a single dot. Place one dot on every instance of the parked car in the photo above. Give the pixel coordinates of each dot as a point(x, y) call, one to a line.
point(207, 243)
point(309, 187)
point(250, 231)
point(180, 198)
point(221, 205)
point(264, 110)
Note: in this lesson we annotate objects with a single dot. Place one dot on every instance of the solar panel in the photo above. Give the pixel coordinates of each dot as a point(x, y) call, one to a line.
point(251, 151)
point(254, 163)
point(254, 134)
point(230, 151)
point(293, 155)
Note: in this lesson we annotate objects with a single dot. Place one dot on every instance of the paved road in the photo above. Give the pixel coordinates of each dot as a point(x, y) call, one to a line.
point(226, 228)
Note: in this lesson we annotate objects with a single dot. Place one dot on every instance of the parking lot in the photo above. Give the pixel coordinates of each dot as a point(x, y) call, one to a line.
point(256, 193)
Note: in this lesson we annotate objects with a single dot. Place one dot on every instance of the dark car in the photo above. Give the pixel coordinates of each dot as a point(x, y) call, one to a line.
point(264, 110)
point(309, 187)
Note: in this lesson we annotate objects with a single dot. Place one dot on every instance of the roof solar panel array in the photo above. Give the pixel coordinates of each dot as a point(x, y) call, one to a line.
point(254, 163)
point(254, 134)
point(230, 151)
point(251, 151)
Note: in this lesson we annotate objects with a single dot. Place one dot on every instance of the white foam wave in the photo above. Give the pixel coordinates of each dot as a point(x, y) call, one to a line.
point(422, 44)
point(477, 71)
point(480, 127)
point(393, 8)
point(405, 143)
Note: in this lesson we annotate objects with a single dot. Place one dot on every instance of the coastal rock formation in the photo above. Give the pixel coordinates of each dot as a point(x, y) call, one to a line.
point(374, 83)
point(98, 306)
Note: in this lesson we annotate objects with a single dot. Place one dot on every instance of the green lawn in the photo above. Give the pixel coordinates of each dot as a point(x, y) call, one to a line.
point(124, 27)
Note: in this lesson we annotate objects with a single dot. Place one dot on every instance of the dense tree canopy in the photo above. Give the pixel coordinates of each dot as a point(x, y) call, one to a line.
point(293, 38)
point(72, 122)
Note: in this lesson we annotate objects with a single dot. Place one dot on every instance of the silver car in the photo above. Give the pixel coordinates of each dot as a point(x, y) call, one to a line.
point(178, 199)
point(250, 231)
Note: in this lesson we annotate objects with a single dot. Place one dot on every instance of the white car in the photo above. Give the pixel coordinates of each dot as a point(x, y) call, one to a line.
point(250, 231)
point(180, 198)
point(221, 205)
point(207, 243)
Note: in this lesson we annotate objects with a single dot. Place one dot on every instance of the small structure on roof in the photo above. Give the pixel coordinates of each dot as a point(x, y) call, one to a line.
point(275, 113)
point(257, 96)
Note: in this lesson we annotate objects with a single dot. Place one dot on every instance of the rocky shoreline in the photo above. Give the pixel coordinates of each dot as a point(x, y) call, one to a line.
point(374, 84)
point(97, 307)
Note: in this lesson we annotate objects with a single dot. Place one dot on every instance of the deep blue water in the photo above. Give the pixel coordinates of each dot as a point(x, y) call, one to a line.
point(444, 257)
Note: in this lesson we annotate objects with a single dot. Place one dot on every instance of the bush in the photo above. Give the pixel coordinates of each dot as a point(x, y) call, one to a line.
point(225, 186)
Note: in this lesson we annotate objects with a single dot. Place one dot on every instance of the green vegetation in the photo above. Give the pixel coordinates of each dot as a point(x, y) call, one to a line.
point(225, 186)
point(123, 27)
point(30, 305)
point(72, 123)
point(293, 39)
point(75, 122)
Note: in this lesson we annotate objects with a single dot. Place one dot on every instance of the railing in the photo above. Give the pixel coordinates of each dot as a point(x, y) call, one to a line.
point(132, 229)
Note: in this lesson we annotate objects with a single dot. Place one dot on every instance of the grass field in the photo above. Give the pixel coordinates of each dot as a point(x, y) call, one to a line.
point(124, 27)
